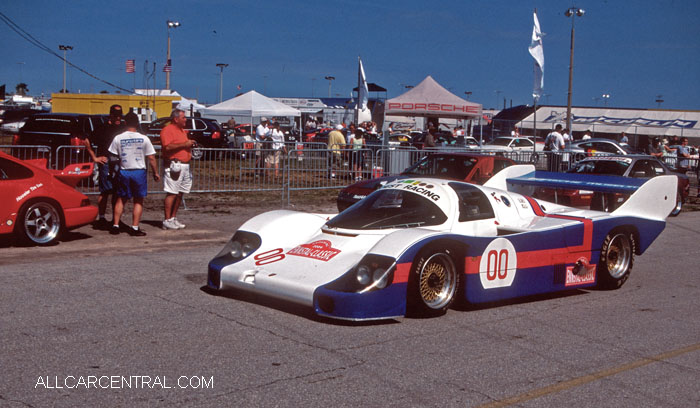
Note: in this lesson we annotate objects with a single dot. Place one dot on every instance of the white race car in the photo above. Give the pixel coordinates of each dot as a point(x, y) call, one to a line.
point(414, 246)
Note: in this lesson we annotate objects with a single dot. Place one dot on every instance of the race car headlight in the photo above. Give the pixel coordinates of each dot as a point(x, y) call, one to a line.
point(240, 246)
point(363, 275)
point(374, 272)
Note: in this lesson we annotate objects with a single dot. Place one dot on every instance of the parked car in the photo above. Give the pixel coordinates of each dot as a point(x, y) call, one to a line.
point(206, 132)
point(469, 167)
point(642, 167)
point(600, 146)
point(37, 204)
point(509, 143)
point(60, 129)
point(12, 120)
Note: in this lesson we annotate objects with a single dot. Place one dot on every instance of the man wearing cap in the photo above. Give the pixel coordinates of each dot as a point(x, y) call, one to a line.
point(177, 153)
point(105, 161)
point(133, 149)
point(336, 144)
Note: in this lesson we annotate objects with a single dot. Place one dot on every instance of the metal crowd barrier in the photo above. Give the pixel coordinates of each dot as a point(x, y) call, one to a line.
point(300, 167)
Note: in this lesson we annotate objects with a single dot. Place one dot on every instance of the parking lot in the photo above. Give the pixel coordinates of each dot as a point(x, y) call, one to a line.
point(133, 315)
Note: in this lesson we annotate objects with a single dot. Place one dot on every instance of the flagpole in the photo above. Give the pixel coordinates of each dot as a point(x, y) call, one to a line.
point(359, 84)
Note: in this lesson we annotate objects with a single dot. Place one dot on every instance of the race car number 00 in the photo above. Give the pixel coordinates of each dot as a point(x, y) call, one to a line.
point(269, 257)
point(498, 264)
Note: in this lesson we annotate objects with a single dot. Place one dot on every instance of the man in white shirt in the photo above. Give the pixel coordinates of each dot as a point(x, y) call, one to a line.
point(261, 133)
point(133, 149)
point(554, 143)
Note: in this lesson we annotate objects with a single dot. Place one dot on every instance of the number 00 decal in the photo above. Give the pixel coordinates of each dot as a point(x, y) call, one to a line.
point(269, 257)
point(498, 264)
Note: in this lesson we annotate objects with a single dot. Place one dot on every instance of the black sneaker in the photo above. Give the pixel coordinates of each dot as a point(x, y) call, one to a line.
point(137, 232)
point(115, 230)
point(101, 225)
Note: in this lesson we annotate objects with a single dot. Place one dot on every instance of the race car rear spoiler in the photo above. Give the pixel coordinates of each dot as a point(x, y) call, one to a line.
point(651, 198)
point(574, 181)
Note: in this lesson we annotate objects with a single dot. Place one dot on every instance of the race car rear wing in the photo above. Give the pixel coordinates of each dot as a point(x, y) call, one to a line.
point(70, 175)
point(650, 198)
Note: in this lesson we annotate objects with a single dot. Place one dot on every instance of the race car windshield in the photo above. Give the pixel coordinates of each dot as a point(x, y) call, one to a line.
point(609, 167)
point(390, 208)
point(456, 167)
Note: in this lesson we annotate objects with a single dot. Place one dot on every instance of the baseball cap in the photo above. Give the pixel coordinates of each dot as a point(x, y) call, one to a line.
point(339, 127)
point(115, 110)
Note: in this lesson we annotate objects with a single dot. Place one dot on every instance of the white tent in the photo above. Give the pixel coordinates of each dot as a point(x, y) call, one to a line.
point(430, 99)
point(652, 122)
point(249, 105)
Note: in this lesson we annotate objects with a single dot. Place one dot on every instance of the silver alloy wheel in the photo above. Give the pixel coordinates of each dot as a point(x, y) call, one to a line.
point(618, 255)
point(437, 281)
point(41, 222)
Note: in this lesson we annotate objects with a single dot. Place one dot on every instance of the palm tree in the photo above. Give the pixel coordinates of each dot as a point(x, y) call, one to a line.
point(21, 88)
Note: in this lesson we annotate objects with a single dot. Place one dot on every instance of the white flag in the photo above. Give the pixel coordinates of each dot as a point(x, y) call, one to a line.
point(362, 90)
point(537, 53)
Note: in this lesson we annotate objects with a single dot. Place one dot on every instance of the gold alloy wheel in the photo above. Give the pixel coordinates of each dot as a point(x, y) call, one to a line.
point(618, 255)
point(437, 281)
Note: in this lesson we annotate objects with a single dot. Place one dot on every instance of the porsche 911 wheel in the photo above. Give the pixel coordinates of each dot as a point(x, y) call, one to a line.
point(39, 223)
point(616, 259)
point(432, 285)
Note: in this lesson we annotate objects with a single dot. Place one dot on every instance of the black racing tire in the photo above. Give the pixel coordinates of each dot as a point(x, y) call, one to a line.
point(679, 205)
point(433, 283)
point(616, 259)
point(39, 223)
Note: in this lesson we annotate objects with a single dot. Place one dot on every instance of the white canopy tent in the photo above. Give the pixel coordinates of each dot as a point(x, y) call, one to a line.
point(650, 122)
point(430, 99)
point(249, 105)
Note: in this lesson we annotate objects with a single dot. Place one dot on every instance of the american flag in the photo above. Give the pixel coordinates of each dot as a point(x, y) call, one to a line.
point(167, 67)
point(130, 69)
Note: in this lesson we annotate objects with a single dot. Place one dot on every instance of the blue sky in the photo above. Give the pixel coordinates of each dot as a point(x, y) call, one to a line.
point(632, 50)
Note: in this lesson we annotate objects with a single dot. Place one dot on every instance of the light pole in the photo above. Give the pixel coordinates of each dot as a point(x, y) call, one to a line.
point(64, 48)
point(468, 93)
point(605, 99)
point(330, 80)
point(571, 12)
point(171, 24)
point(221, 81)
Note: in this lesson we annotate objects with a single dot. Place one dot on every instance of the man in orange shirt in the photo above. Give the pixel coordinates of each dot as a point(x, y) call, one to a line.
point(176, 150)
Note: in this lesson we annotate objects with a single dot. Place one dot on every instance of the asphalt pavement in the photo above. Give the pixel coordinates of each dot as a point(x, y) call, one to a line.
point(125, 321)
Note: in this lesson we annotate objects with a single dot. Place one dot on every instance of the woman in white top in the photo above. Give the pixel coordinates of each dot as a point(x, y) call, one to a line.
point(273, 156)
point(357, 157)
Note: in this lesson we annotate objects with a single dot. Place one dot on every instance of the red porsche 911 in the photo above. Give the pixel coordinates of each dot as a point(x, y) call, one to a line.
point(38, 204)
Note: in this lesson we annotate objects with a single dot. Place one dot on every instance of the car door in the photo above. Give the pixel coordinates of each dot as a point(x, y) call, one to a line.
point(15, 185)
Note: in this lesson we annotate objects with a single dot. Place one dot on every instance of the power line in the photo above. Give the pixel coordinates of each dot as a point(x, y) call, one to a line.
point(29, 38)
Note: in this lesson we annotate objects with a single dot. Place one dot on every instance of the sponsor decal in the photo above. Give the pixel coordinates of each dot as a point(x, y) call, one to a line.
point(417, 187)
point(556, 116)
point(580, 274)
point(498, 264)
point(505, 201)
point(320, 250)
point(26, 193)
